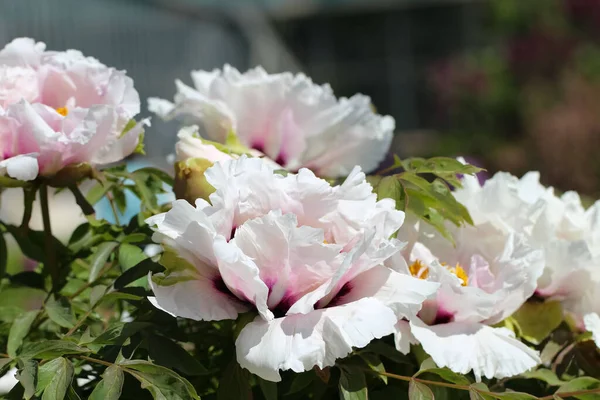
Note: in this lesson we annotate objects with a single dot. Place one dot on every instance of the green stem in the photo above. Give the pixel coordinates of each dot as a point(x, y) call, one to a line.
point(95, 360)
point(104, 270)
point(82, 202)
point(111, 201)
point(29, 198)
point(50, 264)
point(79, 322)
point(471, 388)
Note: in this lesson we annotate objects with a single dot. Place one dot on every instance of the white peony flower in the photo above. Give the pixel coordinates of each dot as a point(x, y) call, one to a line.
point(287, 117)
point(484, 278)
point(302, 254)
point(568, 235)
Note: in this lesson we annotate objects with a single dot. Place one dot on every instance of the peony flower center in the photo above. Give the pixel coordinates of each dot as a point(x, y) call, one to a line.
point(460, 274)
point(421, 271)
point(64, 111)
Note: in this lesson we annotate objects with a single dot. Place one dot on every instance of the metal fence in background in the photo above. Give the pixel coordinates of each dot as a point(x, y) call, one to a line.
point(380, 48)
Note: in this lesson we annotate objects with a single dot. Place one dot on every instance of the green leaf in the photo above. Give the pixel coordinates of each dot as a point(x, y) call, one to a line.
point(96, 294)
point(578, 384)
point(50, 349)
point(130, 255)
point(419, 391)
point(138, 271)
point(4, 362)
point(474, 393)
point(60, 312)
point(112, 296)
point(72, 394)
point(161, 382)
point(3, 256)
point(428, 366)
point(99, 259)
point(54, 379)
point(136, 238)
point(390, 187)
point(301, 381)
point(15, 301)
point(117, 333)
point(234, 383)
point(353, 385)
point(535, 321)
point(438, 165)
point(169, 354)
point(385, 350)
point(97, 192)
point(27, 375)
point(18, 331)
point(32, 242)
point(147, 189)
point(543, 374)
point(160, 174)
point(109, 388)
point(268, 388)
point(374, 362)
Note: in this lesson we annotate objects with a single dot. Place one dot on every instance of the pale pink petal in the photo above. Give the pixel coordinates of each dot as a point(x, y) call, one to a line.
point(292, 260)
point(402, 293)
point(242, 276)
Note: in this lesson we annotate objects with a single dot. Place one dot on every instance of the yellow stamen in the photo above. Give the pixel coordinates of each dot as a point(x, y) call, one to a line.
point(460, 274)
point(64, 111)
point(418, 270)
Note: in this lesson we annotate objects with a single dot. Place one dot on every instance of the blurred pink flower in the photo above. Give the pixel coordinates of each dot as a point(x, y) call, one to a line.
point(62, 108)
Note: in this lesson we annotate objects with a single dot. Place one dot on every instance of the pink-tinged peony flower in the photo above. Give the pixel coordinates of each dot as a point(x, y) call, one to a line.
point(306, 256)
point(484, 278)
point(293, 121)
point(62, 108)
point(567, 233)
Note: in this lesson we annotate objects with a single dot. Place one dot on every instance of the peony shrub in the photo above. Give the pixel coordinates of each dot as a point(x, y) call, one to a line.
point(289, 266)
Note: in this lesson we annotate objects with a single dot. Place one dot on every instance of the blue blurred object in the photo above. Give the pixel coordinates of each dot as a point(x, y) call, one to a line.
point(104, 210)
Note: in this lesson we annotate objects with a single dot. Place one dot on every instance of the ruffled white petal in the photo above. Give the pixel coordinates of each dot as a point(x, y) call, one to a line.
point(301, 341)
point(403, 337)
point(22, 167)
point(402, 293)
point(465, 347)
point(592, 324)
point(198, 299)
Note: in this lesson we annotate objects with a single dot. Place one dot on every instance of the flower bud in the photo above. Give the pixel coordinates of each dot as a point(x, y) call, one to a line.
point(190, 183)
